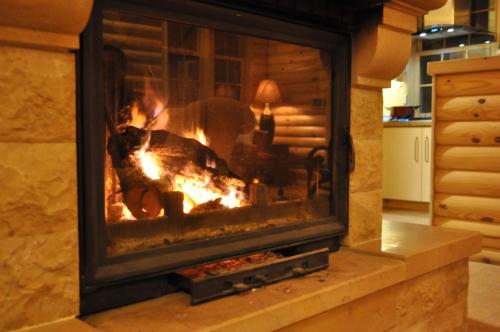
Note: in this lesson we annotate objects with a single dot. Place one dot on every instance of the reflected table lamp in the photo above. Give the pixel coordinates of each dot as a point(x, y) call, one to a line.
point(267, 93)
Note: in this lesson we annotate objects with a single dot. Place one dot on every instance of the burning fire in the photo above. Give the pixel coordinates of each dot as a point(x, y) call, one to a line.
point(198, 134)
point(198, 188)
point(197, 184)
point(149, 162)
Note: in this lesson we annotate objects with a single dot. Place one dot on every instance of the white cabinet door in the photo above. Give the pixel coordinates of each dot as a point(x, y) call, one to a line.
point(426, 152)
point(402, 163)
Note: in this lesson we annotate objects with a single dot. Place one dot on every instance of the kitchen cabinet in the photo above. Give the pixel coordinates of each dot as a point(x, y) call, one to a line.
point(407, 163)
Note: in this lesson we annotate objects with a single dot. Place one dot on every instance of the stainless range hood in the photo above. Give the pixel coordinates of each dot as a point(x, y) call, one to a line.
point(440, 31)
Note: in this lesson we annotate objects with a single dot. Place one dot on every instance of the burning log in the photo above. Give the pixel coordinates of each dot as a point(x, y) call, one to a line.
point(149, 163)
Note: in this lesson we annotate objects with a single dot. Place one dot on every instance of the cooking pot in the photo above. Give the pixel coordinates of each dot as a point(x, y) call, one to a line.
point(407, 112)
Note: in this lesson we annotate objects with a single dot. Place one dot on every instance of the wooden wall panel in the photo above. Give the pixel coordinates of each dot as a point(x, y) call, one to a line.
point(486, 229)
point(468, 158)
point(302, 118)
point(486, 133)
point(468, 84)
point(467, 183)
point(469, 108)
point(467, 207)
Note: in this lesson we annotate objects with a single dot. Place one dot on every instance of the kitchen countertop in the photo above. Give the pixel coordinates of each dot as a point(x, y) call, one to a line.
point(412, 123)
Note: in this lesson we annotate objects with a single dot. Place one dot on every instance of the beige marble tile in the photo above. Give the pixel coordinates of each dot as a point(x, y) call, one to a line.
point(423, 248)
point(39, 188)
point(374, 312)
point(37, 95)
point(367, 175)
point(63, 325)
point(365, 217)
point(430, 294)
point(39, 280)
point(366, 114)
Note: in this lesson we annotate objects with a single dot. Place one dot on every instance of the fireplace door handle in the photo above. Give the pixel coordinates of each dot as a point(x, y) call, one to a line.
point(351, 159)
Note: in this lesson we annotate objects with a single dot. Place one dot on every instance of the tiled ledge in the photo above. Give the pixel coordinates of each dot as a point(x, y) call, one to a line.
point(404, 252)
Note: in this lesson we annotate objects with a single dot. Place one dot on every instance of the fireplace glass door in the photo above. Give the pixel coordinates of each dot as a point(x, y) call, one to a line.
point(210, 133)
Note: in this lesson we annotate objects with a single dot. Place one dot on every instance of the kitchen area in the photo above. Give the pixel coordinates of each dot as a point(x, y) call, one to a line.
point(462, 29)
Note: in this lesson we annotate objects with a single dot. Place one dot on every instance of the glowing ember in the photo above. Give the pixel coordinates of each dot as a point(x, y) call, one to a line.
point(126, 214)
point(198, 188)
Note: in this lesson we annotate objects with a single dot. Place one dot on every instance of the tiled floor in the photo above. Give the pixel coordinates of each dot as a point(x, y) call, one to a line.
point(484, 280)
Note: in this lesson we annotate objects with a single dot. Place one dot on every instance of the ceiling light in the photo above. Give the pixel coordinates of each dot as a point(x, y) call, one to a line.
point(423, 34)
point(450, 30)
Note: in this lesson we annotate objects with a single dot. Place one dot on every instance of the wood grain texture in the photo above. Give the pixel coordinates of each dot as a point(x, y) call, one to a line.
point(467, 183)
point(477, 208)
point(489, 256)
point(468, 108)
point(468, 84)
point(491, 242)
point(486, 229)
point(468, 158)
point(483, 133)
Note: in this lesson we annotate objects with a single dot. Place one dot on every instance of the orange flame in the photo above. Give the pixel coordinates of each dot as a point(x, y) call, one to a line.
point(197, 134)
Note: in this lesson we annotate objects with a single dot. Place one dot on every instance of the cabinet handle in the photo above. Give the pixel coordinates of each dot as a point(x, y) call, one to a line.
point(427, 150)
point(416, 149)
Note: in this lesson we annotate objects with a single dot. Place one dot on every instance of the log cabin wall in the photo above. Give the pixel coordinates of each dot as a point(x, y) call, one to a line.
point(467, 149)
point(302, 119)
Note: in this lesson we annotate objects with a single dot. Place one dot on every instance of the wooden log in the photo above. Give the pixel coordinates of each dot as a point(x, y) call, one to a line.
point(467, 183)
point(300, 141)
point(302, 87)
point(468, 158)
point(468, 84)
point(304, 131)
point(135, 43)
point(489, 256)
point(467, 207)
point(131, 29)
point(491, 242)
point(318, 74)
point(300, 153)
point(298, 110)
point(294, 55)
point(143, 202)
point(144, 57)
point(483, 133)
point(300, 120)
point(468, 108)
point(486, 229)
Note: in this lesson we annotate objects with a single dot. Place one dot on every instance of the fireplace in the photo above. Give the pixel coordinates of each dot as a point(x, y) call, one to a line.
point(207, 132)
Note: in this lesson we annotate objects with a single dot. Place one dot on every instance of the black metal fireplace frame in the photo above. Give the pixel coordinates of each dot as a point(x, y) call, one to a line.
point(113, 281)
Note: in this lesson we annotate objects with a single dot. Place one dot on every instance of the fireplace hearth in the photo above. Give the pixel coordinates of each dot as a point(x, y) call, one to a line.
point(208, 133)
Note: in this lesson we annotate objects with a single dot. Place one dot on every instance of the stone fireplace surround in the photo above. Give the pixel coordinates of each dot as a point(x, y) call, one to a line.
point(39, 274)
